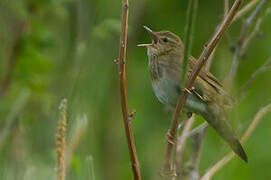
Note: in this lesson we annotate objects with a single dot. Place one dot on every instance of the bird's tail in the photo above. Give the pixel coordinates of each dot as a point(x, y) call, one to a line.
point(217, 118)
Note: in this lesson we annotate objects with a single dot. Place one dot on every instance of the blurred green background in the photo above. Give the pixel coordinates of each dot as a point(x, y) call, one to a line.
point(54, 49)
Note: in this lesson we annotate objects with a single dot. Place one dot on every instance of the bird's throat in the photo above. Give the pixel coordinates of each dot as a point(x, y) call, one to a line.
point(155, 69)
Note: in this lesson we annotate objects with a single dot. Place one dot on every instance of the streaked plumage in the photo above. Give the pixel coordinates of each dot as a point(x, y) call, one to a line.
point(208, 96)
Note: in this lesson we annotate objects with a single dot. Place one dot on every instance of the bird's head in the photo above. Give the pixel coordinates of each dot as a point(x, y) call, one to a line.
point(163, 43)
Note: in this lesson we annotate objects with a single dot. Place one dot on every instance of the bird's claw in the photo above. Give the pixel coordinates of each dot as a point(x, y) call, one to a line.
point(170, 138)
point(187, 90)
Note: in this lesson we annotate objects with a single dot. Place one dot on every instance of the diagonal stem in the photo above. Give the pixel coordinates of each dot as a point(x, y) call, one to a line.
point(241, 44)
point(209, 47)
point(245, 9)
point(191, 17)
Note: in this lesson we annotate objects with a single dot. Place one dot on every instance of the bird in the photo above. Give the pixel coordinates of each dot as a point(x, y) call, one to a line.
point(207, 98)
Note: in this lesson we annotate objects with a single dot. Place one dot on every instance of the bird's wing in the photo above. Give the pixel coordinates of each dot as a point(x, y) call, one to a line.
point(208, 88)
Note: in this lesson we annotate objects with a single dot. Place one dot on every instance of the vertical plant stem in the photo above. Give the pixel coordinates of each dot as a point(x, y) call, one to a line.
point(181, 144)
point(188, 35)
point(210, 59)
point(191, 171)
point(209, 47)
point(198, 144)
point(188, 40)
point(61, 142)
point(123, 92)
point(191, 16)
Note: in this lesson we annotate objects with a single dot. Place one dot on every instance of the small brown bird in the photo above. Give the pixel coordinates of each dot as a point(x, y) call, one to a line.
point(208, 96)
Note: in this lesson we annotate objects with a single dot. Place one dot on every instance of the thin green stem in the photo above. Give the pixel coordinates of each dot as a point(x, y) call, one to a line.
point(191, 17)
point(208, 49)
point(188, 35)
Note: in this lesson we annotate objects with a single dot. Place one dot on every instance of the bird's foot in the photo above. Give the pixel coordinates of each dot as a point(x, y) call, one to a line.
point(170, 139)
point(188, 90)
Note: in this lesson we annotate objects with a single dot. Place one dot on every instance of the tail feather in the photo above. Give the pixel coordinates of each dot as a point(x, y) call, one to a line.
point(217, 118)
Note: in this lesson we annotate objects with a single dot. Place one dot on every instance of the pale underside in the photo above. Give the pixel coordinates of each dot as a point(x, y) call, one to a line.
point(166, 80)
point(207, 98)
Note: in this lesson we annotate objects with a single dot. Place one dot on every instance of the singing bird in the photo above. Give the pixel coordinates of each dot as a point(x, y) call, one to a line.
point(207, 98)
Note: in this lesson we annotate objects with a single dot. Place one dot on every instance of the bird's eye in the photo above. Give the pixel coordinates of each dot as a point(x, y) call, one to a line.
point(165, 39)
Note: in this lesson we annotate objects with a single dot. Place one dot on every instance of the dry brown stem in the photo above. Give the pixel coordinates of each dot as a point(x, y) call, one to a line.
point(192, 171)
point(202, 128)
point(123, 92)
point(181, 144)
point(210, 60)
point(243, 42)
point(61, 141)
point(198, 144)
point(260, 114)
point(246, 9)
point(198, 129)
point(240, 14)
point(209, 47)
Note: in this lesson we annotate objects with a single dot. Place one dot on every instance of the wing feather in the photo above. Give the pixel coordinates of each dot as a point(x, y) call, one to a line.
point(208, 88)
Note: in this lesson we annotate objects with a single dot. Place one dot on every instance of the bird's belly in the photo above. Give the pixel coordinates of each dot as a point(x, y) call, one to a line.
point(166, 91)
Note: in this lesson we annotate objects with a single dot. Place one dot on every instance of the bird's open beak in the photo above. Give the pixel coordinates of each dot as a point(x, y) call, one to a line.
point(153, 35)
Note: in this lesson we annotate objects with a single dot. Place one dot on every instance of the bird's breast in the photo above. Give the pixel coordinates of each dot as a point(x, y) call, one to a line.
point(165, 79)
point(166, 90)
point(155, 69)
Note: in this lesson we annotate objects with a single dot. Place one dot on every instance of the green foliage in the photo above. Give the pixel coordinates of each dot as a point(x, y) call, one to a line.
point(105, 29)
point(67, 49)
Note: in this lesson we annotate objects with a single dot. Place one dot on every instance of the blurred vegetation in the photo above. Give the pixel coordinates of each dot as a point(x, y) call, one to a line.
point(54, 49)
